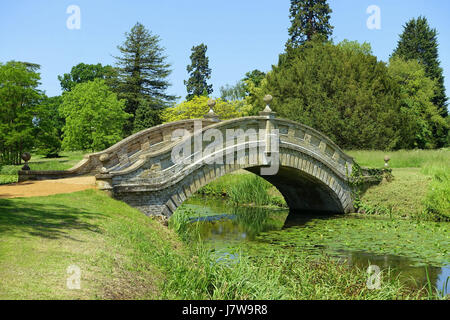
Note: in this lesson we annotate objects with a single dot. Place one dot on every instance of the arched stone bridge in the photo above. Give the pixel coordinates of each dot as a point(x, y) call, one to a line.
point(313, 173)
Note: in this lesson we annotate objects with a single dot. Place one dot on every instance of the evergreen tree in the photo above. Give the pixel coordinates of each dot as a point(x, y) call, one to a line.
point(309, 18)
point(143, 73)
point(199, 73)
point(419, 42)
point(340, 91)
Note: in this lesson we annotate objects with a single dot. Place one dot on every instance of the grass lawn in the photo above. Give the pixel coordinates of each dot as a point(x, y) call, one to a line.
point(421, 185)
point(8, 173)
point(41, 237)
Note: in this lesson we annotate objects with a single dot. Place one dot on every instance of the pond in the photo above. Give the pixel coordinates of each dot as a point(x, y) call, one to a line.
point(413, 250)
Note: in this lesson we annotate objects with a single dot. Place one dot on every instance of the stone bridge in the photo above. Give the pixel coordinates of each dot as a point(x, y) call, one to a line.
point(313, 174)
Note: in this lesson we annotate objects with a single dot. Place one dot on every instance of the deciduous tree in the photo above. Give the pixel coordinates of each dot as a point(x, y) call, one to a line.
point(94, 116)
point(19, 98)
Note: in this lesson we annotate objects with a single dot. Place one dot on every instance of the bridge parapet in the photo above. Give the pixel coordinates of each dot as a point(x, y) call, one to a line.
point(120, 155)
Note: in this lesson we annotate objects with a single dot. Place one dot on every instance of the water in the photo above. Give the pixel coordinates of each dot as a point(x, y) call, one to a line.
point(411, 249)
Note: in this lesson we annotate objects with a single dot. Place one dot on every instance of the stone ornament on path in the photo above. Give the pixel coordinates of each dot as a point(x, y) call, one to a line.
point(26, 156)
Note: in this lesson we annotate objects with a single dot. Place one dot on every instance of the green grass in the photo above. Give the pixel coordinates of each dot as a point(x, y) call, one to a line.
point(400, 159)
point(420, 189)
point(244, 188)
point(8, 173)
point(123, 254)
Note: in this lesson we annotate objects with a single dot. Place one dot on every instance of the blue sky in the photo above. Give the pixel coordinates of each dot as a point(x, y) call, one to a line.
point(241, 35)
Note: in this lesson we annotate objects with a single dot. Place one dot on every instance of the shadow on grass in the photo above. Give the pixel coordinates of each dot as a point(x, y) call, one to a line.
point(51, 221)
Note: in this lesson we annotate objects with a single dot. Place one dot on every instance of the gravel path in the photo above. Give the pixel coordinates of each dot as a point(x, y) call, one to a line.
point(46, 187)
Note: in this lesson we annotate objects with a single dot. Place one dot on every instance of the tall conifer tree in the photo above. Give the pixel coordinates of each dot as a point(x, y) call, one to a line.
point(308, 18)
point(199, 73)
point(143, 73)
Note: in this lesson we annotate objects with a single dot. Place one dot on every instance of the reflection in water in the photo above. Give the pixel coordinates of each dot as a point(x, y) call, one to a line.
point(224, 228)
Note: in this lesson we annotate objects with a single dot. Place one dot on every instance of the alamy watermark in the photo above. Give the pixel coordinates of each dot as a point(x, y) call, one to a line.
point(374, 279)
point(74, 280)
point(374, 20)
point(73, 22)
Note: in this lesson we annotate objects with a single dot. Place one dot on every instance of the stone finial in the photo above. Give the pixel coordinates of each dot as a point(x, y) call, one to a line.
point(103, 159)
point(26, 156)
point(386, 160)
point(211, 114)
point(268, 99)
point(267, 112)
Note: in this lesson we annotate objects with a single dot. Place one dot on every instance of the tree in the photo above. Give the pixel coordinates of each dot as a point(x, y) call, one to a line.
point(242, 88)
point(87, 72)
point(19, 98)
point(419, 42)
point(199, 73)
point(309, 18)
point(346, 94)
point(197, 108)
point(417, 92)
point(49, 124)
point(255, 77)
point(94, 116)
point(232, 93)
point(143, 73)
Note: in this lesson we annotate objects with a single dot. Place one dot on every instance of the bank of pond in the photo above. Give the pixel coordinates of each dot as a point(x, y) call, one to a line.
point(413, 255)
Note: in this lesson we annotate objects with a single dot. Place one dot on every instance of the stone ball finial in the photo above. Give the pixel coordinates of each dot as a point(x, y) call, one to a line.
point(211, 114)
point(386, 160)
point(211, 103)
point(268, 99)
point(26, 156)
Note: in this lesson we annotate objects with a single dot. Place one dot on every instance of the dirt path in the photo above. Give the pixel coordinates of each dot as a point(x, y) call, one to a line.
point(46, 187)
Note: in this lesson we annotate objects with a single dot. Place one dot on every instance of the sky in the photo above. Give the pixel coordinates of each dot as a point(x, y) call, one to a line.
point(241, 35)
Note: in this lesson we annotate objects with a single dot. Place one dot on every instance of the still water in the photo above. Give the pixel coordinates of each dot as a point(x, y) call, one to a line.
point(412, 250)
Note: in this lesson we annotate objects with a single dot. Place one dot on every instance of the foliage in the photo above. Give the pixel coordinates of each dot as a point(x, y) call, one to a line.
point(232, 93)
point(243, 89)
point(354, 46)
point(142, 82)
point(19, 98)
point(49, 125)
point(417, 94)
point(346, 94)
point(437, 201)
point(252, 190)
point(87, 72)
point(199, 72)
point(419, 42)
point(308, 18)
point(94, 116)
point(198, 107)
point(256, 76)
